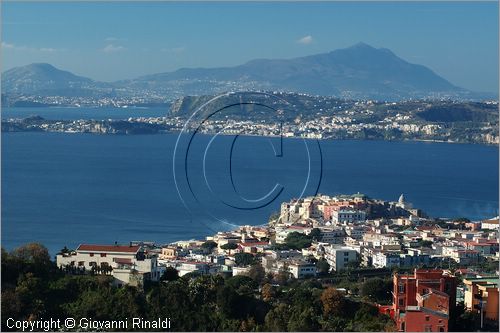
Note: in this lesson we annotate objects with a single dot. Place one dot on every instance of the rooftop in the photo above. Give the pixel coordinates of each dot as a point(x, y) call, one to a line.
point(108, 248)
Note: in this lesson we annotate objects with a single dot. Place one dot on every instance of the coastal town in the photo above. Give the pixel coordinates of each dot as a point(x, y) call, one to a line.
point(301, 115)
point(435, 265)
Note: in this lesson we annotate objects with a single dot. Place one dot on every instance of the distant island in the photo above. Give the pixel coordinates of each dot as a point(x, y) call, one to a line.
point(303, 116)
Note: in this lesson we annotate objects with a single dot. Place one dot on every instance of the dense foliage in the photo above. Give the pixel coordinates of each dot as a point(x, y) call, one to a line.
point(32, 287)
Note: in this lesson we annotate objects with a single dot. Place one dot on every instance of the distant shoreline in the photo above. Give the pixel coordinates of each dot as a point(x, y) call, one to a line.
point(271, 136)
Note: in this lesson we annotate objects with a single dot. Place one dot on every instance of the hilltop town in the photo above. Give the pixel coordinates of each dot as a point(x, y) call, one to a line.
point(436, 265)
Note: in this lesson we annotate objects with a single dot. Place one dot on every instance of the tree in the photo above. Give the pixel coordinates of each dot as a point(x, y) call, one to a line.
point(242, 284)
point(170, 274)
point(322, 266)
point(461, 219)
point(244, 259)
point(209, 245)
point(333, 302)
point(229, 246)
point(303, 321)
point(277, 319)
point(257, 273)
point(65, 250)
point(282, 277)
point(315, 234)
point(377, 290)
point(297, 241)
point(268, 292)
point(33, 253)
point(425, 243)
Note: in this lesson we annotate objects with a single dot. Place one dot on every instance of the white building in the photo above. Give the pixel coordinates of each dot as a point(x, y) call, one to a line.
point(302, 269)
point(382, 259)
point(127, 264)
point(355, 231)
point(490, 224)
point(332, 235)
point(339, 256)
point(348, 215)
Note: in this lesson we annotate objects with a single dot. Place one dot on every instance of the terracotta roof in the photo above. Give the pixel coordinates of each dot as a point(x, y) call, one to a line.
point(298, 227)
point(254, 244)
point(122, 261)
point(108, 248)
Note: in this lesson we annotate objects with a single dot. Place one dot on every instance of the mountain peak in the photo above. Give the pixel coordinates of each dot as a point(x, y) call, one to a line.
point(361, 45)
point(359, 71)
point(41, 65)
point(37, 77)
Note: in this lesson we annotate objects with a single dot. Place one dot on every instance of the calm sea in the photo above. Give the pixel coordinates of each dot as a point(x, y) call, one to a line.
point(65, 189)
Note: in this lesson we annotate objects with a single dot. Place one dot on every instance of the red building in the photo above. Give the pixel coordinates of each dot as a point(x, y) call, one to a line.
point(422, 301)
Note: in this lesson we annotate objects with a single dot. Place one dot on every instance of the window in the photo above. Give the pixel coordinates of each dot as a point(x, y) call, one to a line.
point(401, 288)
point(428, 328)
point(427, 318)
point(91, 254)
point(401, 302)
point(103, 254)
point(346, 254)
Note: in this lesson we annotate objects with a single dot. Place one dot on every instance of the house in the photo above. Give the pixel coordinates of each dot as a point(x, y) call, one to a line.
point(240, 270)
point(460, 254)
point(168, 252)
point(282, 233)
point(301, 269)
point(490, 224)
point(272, 257)
point(199, 267)
point(253, 247)
point(482, 293)
point(338, 257)
point(386, 259)
point(346, 215)
point(422, 300)
point(332, 235)
point(127, 264)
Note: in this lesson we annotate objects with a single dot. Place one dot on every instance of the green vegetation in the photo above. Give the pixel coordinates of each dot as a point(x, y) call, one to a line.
point(229, 246)
point(170, 274)
point(209, 245)
point(32, 287)
point(297, 241)
point(244, 259)
point(424, 243)
point(377, 290)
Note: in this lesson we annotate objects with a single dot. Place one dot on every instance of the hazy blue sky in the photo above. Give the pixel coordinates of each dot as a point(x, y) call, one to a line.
point(111, 41)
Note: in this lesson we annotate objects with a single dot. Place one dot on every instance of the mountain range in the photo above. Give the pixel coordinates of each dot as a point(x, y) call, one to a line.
point(360, 72)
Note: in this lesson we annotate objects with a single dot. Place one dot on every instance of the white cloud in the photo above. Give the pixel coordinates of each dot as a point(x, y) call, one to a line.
point(112, 48)
point(28, 48)
point(7, 46)
point(305, 40)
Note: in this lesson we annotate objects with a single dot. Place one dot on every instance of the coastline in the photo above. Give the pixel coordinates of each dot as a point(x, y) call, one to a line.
point(487, 144)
